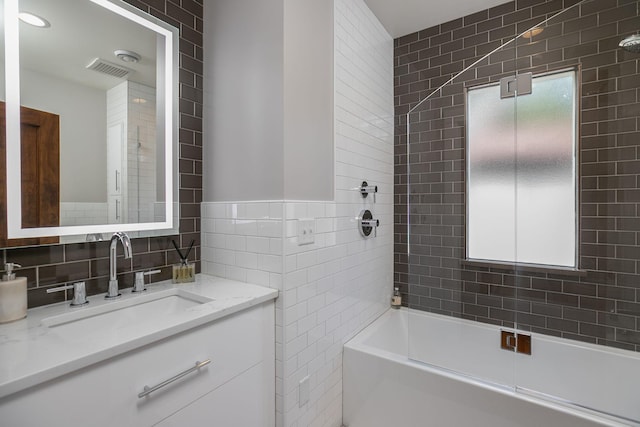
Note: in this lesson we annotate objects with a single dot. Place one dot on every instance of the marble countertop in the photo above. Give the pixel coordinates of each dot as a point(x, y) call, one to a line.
point(31, 353)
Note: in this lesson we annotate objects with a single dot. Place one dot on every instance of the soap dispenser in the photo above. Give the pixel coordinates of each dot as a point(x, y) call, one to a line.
point(13, 295)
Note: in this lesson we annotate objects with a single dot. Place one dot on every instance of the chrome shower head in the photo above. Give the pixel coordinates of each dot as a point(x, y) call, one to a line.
point(631, 43)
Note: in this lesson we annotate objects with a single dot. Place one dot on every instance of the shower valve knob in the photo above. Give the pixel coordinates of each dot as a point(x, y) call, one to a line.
point(367, 224)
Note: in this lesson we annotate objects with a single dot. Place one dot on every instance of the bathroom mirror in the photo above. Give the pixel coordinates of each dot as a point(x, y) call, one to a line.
point(90, 106)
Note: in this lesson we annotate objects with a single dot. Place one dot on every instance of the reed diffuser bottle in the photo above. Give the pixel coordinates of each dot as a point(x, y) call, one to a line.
point(184, 272)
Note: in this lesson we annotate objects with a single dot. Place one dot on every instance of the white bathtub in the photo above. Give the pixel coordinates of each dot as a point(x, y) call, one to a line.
point(382, 387)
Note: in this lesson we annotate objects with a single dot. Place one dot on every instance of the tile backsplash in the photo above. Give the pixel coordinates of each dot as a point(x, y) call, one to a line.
point(49, 266)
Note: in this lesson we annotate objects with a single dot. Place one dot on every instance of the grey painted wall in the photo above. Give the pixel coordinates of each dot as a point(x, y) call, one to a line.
point(243, 100)
point(268, 96)
point(308, 100)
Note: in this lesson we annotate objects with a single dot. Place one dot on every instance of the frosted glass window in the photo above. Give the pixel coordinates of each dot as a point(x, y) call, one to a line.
point(521, 172)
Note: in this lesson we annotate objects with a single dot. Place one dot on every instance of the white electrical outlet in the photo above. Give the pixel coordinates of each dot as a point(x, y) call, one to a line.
point(303, 392)
point(306, 231)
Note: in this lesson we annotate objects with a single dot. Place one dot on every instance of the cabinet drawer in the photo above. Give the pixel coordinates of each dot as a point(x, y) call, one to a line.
point(244, 401)
point(106, 394)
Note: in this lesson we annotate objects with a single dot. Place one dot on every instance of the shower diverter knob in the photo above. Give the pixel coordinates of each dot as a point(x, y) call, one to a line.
point(367, 224)
point(365, 189)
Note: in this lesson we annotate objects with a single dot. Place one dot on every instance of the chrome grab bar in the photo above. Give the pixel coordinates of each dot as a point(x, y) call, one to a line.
point(148, 390)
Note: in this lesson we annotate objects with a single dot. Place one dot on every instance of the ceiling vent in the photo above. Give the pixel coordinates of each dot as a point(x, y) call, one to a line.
point(106, 67)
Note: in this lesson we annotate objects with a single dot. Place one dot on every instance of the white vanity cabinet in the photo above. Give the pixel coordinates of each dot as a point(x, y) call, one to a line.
point(235, 389)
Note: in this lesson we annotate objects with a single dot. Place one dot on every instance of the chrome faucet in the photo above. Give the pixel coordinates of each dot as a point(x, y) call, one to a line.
point(126, 245)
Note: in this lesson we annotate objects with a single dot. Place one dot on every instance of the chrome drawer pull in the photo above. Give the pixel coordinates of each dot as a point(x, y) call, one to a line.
point(148, 390)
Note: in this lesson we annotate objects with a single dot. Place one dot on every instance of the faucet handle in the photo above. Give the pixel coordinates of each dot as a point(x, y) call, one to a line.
point(79, 293)
point(138, 285)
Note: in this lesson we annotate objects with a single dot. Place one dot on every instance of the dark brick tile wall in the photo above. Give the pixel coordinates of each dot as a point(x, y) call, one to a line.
point(600, 304)
point(50, 266)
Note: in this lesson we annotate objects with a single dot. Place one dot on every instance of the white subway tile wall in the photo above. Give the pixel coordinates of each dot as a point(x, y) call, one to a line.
point(244, 241)
point(334, 287)
point(76, 213)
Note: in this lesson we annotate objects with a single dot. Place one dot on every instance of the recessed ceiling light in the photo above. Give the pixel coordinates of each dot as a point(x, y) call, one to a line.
point(35, 20)
point(127, 55)
point(139, 101)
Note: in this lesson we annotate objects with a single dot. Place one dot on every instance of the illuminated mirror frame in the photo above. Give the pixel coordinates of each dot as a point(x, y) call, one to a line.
point(12, 88)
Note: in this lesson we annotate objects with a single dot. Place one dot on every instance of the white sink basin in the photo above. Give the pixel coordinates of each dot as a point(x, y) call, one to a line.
point(141, 314)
